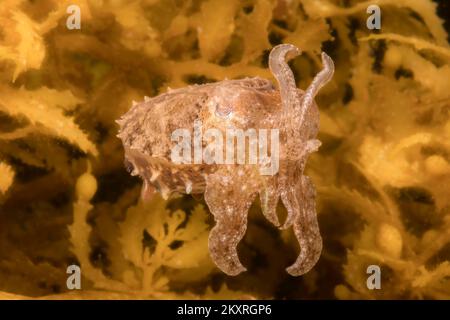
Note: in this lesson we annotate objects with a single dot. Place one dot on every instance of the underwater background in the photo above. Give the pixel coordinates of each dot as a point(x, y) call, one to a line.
point(382, 173)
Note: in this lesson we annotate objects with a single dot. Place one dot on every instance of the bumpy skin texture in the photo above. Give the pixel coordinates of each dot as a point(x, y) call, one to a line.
point(230, 189)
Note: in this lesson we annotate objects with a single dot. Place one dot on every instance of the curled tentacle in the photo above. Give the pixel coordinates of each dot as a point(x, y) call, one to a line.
point(223, 240)
point(229, 199)
point(319, 81)
point(280, 69)
point(306, 229)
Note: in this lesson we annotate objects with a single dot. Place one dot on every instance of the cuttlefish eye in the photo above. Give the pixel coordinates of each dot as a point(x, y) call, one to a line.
point(223, 110)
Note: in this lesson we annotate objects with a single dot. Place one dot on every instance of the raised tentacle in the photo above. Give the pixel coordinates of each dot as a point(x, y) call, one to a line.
point(306, 229)
point(319, 81)
point(280, 69)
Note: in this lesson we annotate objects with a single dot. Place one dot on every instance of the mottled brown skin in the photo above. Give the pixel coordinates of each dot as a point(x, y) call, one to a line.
point(230, 189)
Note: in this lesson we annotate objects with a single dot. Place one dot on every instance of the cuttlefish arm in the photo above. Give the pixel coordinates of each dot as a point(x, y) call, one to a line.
point(306, 227)
point(229, 194)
